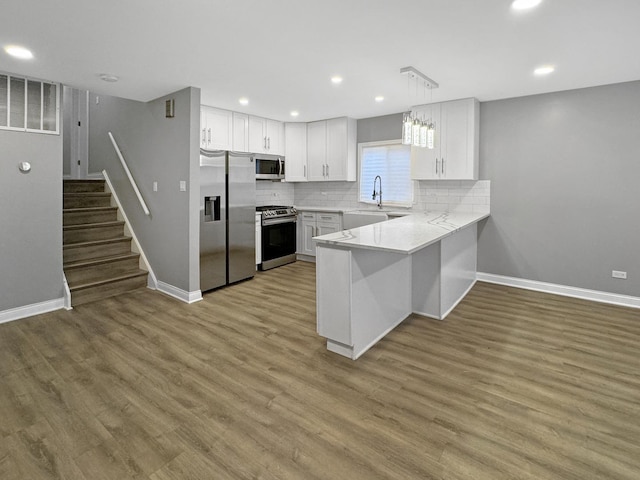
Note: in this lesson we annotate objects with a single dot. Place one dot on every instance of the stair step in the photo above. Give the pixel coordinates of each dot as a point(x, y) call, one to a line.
point(92, 231)
point(97, 290)
point(86, 199)
point(85, 185)
point(78, 216)
point(91, 270)
point(73, 252)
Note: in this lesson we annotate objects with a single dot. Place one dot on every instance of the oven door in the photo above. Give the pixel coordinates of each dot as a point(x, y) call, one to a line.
point(278, 242)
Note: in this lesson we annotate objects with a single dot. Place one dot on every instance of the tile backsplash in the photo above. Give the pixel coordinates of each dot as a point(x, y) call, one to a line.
point(450, 195)
point(274, 193)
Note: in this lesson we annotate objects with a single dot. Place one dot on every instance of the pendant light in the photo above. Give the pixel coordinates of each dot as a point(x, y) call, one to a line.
point(407, 129)
point(418, 132)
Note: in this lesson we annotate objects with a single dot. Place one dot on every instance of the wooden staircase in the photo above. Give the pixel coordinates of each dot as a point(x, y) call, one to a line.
point(97, 256)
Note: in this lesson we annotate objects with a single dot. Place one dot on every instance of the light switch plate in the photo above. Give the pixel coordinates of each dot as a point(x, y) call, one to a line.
point(155, 186)
point(183, 185)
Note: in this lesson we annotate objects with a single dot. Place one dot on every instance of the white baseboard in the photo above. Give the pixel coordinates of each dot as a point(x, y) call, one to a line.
point(564, 290)
point(31, 310)
point(182, 295)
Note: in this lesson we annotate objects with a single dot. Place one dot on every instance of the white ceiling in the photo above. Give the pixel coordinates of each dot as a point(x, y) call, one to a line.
point(281, 53)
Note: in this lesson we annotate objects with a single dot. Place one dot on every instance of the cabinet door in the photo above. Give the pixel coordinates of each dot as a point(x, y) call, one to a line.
point(240, 132)
point(295, 152)
point(336, 149)
point(458, 156)
point(203, 128)
point(308, 232)
point(425, 162)
point(326, 228)
point(316, 150)
point(275, 137)
point(257, 135)
point(219, 128)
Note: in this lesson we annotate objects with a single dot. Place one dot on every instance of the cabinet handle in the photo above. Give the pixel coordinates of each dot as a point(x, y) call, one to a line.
point(304, 170)
point(264, 142)
point(209, 135)
point(269, 143)
point(442, 165)
point(323, 169)
point(204, 135)
point(327, 171)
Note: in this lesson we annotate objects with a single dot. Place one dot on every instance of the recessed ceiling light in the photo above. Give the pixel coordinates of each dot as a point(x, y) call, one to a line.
point(18, 52)
point(544, 70)
point(295, 113)
point(524, 4)
point(243, 101)
point(379, 98)
point(107, 77)
point(336, 79)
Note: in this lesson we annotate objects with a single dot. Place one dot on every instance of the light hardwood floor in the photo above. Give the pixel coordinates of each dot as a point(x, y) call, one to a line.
point(513, 385)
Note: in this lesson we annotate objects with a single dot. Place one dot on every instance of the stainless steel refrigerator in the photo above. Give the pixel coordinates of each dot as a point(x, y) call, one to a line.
point(227, 218)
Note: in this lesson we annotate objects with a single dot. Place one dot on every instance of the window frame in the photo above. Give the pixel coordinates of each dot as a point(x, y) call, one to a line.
point(25, 128)
point(384, 143)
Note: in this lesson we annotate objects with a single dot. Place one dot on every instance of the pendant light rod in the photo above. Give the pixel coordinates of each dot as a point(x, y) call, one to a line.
point(416, 74)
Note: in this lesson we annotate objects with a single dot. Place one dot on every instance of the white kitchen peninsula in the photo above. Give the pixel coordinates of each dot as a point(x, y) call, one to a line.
point(369, 279)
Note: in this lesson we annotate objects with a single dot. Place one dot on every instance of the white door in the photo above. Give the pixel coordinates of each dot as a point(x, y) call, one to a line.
point(76, 131)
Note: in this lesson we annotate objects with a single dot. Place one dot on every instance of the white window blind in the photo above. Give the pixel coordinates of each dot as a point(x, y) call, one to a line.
point(392, 161)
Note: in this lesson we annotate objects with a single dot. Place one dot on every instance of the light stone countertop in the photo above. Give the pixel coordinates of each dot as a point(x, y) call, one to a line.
point(406, 234)
point(321, 209)
point(391, 213)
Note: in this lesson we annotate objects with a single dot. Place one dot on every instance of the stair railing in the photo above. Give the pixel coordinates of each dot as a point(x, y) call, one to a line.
point(128, 172)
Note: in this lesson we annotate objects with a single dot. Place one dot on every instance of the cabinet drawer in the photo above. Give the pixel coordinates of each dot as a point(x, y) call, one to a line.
point(328, 217)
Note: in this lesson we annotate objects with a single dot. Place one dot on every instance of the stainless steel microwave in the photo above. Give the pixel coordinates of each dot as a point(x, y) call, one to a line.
point(269, 167)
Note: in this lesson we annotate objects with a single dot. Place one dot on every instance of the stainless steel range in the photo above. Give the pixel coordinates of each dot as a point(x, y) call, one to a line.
point(278, 235)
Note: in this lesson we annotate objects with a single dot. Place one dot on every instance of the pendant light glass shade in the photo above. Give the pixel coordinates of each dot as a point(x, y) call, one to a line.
point(431, 136)
point(407, 128)
point(423, 134)
point(415, 133)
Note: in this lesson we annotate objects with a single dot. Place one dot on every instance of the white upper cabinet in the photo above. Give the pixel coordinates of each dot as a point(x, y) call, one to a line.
point(316, 150)
point(266, 136)
point(240, 132)
point(216, 128)
point(456, 146)
point(295, 152)
point(331, 150)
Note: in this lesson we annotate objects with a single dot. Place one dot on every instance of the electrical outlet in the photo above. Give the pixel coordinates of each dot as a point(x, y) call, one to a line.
point(619, 274)
point(183, 186)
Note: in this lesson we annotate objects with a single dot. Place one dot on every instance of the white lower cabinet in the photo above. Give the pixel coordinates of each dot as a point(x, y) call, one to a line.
point(314, 224)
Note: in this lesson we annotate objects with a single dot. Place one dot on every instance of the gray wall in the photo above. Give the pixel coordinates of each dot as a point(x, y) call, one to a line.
point(378, 129)
point(565, 187)
point(159, 149)
point(30, 219)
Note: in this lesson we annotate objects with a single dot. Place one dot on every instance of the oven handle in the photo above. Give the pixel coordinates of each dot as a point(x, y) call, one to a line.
point(277, 221)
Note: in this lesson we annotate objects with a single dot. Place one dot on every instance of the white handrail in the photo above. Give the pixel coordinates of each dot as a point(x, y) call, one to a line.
point(133, 182)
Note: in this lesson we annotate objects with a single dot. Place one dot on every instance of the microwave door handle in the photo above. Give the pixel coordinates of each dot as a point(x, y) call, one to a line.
point(279, 166)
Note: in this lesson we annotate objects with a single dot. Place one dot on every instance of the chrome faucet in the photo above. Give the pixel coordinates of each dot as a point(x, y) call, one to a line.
point(379, 192)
